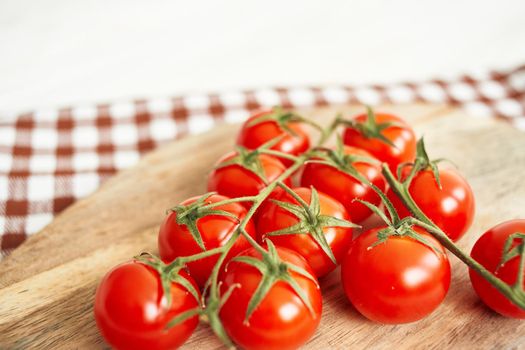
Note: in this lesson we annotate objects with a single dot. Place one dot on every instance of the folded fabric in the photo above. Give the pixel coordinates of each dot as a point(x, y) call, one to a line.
point(49, 159)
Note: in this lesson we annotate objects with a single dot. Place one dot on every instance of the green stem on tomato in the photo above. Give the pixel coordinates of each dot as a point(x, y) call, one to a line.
point(278, 154)
point(257, 201)
point(214, 297)
point(516, 296)
point(298, 198)
point(388, 204)
point(229, 201)
point(198, 256)
point(521, 270)
point(514, 293)
point(413, 171)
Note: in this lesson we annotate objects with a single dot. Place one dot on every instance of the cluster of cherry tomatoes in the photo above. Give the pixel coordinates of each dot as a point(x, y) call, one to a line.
point(265, 261)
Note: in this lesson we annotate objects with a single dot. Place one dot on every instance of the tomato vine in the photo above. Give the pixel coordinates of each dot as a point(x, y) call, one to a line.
point(311, 222)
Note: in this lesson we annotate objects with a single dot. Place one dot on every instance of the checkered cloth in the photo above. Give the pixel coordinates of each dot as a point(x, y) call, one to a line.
point(49, 159)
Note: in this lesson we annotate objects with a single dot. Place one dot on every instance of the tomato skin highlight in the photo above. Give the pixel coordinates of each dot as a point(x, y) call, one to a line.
point(175, 240)
point(130, 309)
point(235, 181)
point(487, 251)
point(398, 281)
point(401, 135)
point(451, 208)
point(256, 135)
point(281, 320)
point(345, 188)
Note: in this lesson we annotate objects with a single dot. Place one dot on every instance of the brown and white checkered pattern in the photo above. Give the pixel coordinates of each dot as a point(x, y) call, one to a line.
point(49, 159)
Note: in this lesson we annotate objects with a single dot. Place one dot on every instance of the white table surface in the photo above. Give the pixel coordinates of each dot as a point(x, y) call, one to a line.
point(64, 52)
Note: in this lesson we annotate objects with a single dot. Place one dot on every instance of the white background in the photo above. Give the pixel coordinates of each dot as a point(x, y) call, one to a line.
point(63, 52)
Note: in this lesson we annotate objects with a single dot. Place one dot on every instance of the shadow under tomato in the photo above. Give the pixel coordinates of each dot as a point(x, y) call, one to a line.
point(335, 300)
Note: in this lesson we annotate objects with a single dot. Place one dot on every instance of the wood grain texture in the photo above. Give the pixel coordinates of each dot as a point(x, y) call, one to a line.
point(47, 285)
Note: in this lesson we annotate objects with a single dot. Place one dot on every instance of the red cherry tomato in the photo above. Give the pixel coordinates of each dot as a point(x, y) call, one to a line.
point(451, 208)
point(254, 136)
point(488, 252)
point(176, 240)
point(281, 320)
point(398, 281)
point(401, 135)
point(344, 187)
point(235, 181)
point(131, 309)
point(275, 218)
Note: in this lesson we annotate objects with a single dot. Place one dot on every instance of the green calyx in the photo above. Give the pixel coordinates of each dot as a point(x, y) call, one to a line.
point(283, 119)
point(422, 162)
point(210, 315)
point(397, 227)
point(425, 162)
point(337, 158)
point(207, 311)
point(168, 273)
point(251, 159)
point(406, 229)
point(188, 215)
point(310, 220)
point(273, 270)
point(512, 250)
point(370, 128)
point(247, 159)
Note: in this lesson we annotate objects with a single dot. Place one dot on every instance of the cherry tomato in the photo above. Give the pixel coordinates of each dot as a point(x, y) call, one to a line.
point(451, 208)
point(254, 136)
point(488, 252)
point(398, 281)
point(175, 240)
point(131, 309)
point(235, 181)
point(275, 218)
point(343, 187)
point(401, 135)
point(281, 320)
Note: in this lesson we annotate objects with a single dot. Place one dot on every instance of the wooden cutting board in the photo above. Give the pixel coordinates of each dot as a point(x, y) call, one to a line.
point(47, 285)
